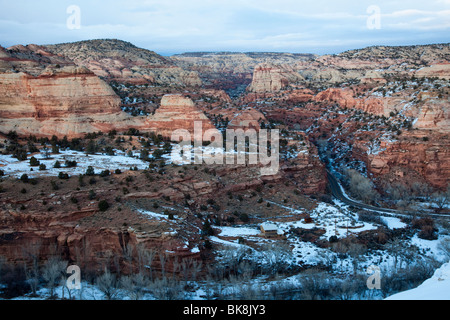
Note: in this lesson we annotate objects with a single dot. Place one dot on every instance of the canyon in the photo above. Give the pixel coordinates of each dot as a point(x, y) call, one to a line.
point(382, 111)
point(71, 100)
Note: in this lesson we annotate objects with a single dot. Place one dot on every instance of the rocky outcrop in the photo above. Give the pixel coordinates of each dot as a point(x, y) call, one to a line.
point(430, 159)
point(120, 61)
point(270, 78)
point(83, 237)
point(342, 97)
point(300, 95)
point(345, 98)
point(55, 93)
point(178, 112)
point(62, 101)
point(31, 59)
point(44, 94)
point(435, 115)
point(248, 118)
point(306, 170)
point(440, 70)
point(72, 101)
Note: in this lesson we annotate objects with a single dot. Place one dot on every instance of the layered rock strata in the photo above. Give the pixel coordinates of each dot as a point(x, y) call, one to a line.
point(270, 78)
point(62, 101)
point(179, 112)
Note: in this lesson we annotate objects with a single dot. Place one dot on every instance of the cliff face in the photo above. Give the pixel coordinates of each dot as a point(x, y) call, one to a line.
point(44, 94)
point(430, 159)
point(68, 101)
point(178, 112)
point(270, 78)
point(56, 93)
point(81, 233)
point(346, 98)
point(434, 115)
point(73, 101)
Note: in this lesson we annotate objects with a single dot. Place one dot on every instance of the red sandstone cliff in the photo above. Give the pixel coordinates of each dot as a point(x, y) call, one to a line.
point(49, 99)
point(178, 112)
point(62, 101)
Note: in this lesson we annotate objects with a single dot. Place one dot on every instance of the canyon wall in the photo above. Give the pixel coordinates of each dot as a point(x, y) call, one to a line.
point(271, 78)
point(72, 101)
point(179, 112)
point(68, 101)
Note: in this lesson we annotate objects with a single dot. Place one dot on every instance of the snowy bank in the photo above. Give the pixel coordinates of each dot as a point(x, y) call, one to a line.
point(435, 288)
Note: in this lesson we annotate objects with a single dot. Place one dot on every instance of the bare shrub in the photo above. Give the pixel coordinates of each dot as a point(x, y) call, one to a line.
point(277, 258)
point(441, 199)
point(166, 289)
point(360, 186)
point(135, 285)
point(313, 285)
point(31, 253)
point(444, 246)
point(108, 284)
point(53, 271)
point(427, 228)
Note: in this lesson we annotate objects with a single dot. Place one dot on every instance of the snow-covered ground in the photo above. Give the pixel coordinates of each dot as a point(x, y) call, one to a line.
point(293, 251)
point(209, 154)
point(155, 215)
point(13, 167)
point(435, 288)
point(238, 231)
point(335, 219)
point(393, 223)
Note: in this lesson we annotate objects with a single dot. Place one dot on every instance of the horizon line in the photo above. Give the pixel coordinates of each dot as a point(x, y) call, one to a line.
point(175, 53)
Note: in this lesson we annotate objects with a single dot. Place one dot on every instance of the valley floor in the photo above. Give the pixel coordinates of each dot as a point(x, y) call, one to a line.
point(318, 253)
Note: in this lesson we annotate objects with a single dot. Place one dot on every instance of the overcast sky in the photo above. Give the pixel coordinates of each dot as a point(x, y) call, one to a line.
point(176, 26)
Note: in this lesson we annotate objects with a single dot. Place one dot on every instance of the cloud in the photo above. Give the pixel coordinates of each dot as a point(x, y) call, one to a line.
point(415, 12)
point(417, 20)
point(173, 26)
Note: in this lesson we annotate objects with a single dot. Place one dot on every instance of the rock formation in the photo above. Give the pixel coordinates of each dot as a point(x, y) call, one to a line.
point(440, 70)
point(43, 94)
point(430, 159)
point(270, 78)
point(345, 97)
point(73, 101)
point(178, 112)
point(300, 95)
point(248, 118)
point(68, 101)
point(434, 115)
point(116, 60)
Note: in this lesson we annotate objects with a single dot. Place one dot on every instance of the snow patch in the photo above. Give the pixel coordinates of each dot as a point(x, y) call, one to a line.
point(435, 288)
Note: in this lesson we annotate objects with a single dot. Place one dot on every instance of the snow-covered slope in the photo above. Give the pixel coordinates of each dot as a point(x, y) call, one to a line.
point(435, 288)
